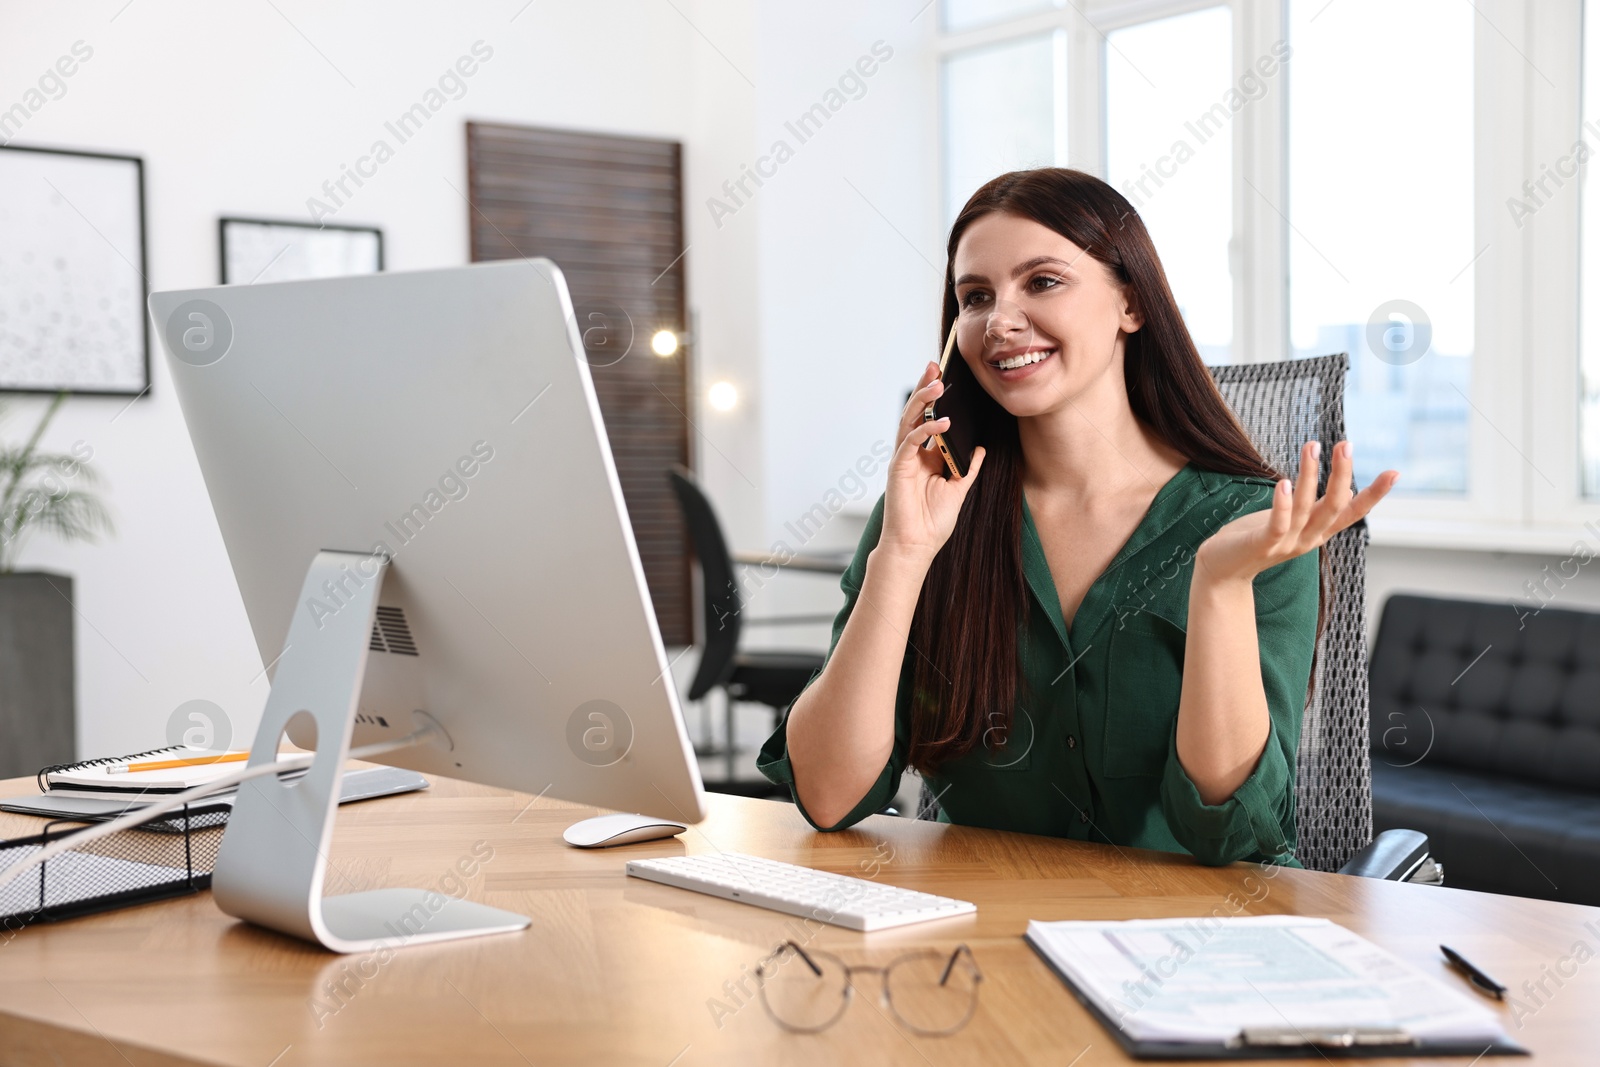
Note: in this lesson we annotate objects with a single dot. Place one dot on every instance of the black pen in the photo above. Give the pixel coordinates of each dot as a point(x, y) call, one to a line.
point(1479, 980)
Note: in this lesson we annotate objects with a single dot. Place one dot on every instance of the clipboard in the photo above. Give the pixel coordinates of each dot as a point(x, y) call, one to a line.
point(1278, 1043)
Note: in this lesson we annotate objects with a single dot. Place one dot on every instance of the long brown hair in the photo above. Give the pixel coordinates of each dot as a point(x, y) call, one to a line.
point(974, 600)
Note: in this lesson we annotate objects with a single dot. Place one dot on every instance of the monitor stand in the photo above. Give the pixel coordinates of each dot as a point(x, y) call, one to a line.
point(271, 864)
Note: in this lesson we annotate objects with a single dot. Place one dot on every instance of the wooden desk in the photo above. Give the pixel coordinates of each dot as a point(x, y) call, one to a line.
point(618, 970)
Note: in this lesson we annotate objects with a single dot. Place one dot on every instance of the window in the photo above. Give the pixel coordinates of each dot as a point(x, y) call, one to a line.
point(965, 14)
point(1382, 244)
point(1380, 200)
point(1169, 150)
point(1004, 109)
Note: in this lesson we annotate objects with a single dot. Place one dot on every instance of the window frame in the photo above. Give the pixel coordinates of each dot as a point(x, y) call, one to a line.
point(1524, 468)
point(1551, 239)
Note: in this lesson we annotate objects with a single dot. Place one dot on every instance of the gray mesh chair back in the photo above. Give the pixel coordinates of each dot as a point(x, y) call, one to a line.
point(1281, 406)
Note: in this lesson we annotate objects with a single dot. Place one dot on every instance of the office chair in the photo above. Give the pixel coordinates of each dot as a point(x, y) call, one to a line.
point(762, 676)
point(1281, 406)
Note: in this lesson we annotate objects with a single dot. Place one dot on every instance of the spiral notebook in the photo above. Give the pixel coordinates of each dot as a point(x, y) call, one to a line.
point(99, 806)
point(106, 777)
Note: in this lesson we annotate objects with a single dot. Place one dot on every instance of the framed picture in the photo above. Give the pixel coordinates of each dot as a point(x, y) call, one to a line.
point(269, 250)
point(72, 273)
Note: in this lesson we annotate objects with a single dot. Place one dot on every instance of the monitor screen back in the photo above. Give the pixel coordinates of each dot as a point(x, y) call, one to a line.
point(445, 419)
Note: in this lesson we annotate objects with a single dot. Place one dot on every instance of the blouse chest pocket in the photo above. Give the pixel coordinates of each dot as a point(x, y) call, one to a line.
point(1144, 679)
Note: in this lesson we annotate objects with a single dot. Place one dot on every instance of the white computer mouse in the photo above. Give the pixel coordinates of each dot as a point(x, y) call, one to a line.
point(604, 831)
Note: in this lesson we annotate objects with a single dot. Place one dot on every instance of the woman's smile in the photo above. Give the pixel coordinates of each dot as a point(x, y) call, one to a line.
point(1014, 364)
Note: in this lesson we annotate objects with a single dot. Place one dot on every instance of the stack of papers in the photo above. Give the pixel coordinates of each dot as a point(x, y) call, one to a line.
point(1206, 981)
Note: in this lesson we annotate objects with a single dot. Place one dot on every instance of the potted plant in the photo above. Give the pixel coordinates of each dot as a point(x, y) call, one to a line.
point(53, 493)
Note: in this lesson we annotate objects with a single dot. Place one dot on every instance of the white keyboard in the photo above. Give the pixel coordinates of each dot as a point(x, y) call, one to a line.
point(854, 903)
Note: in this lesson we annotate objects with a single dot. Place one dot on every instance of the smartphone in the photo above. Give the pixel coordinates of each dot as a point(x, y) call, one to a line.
point(958, 402)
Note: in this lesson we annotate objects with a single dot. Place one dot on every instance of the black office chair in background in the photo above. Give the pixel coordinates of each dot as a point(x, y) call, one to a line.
point(762, 676)
point(1281, 406)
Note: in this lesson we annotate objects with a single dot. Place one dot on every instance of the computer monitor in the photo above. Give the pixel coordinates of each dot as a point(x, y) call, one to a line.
point(414, 485)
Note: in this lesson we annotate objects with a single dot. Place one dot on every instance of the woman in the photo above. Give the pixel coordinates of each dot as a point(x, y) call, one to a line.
point(1107, 630)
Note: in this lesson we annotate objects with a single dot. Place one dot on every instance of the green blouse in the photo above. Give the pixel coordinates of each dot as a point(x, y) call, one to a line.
point(1093, 753)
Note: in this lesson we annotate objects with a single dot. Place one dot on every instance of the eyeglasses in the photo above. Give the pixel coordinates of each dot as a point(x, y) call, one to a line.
point(928, 992)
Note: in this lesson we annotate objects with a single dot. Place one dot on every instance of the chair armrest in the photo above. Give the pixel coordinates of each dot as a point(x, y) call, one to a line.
point(1394, 855)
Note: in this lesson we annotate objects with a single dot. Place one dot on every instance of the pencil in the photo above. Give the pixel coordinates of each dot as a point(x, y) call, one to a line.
point(169, 764)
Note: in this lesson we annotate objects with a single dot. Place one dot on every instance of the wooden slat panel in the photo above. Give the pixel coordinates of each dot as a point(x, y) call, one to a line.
point(634, 247)
point(582, 198)
point(608, 211)
point(546, 141)
point(636, 185)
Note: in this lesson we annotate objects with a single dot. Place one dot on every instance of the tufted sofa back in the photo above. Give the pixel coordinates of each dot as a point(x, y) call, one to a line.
point(1488, 686)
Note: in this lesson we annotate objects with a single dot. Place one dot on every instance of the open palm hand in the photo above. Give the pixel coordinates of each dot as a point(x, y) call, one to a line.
point(1296, 523)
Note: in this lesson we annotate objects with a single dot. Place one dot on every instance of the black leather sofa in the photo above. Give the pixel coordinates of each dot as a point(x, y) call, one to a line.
point(1486, 737)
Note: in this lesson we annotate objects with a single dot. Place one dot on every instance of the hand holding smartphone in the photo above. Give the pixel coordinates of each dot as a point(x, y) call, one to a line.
point(925, 493)
point(957, 443)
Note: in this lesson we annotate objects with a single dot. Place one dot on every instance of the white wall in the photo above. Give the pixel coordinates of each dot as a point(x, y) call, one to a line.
point(851, 263)
point(720, 63)
point(852, 258)
point(1483, 575)
point(235, 112)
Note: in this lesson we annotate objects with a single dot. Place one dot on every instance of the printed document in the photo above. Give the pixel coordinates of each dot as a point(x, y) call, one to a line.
point(1206, 979)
